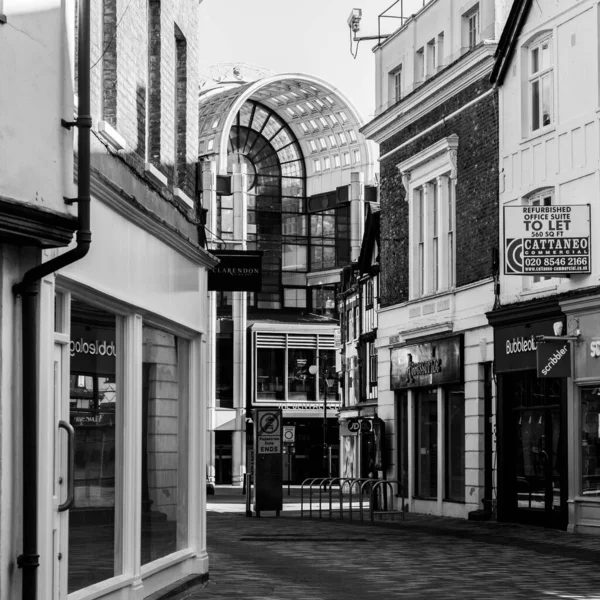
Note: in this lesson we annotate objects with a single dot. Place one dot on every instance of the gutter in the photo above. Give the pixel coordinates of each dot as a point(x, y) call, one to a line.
point(28, 289)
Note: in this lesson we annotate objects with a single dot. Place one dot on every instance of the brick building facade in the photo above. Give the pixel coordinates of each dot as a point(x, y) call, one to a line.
point(437, 127)
point(476, 188)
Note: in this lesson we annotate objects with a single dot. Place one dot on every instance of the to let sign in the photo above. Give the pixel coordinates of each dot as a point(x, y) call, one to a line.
point(547, 240)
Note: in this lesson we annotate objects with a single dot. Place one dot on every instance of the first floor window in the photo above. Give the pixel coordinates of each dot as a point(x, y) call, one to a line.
point(543, 198)
point(372, 364)
point(540, 74)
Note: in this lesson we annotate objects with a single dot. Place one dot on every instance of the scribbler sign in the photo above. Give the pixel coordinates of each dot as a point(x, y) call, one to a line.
point(547, 240)
point(554, 359)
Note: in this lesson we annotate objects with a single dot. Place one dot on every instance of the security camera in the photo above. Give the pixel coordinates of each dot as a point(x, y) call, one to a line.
point(354, 19)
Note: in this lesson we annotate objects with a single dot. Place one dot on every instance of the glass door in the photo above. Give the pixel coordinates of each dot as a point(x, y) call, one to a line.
point(539, 449)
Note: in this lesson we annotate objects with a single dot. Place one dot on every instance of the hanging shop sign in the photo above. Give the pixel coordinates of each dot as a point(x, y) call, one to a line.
point(515, 347)
point(238, 271)
point(547, 240)
point(432, 363)
point(553, 359)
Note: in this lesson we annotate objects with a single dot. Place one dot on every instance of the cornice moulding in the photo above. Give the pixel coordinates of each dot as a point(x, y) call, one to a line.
point(103, 191)
point(428, 96)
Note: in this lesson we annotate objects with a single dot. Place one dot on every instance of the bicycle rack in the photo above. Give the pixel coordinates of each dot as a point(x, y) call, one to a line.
point(388, 484)
point(310, 482)
point(327, 484)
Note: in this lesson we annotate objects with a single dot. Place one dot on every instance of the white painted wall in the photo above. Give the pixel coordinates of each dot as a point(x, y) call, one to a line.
point(564, 156)
point(436, 17)
point(36, 153)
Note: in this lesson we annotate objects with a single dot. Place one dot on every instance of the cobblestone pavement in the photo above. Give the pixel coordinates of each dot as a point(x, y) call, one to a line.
point(289, 558)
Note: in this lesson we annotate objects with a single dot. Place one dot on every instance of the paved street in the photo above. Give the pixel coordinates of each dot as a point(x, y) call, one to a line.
point(289, 558)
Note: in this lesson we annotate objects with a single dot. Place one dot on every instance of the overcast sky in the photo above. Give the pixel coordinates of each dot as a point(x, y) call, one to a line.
point(306, 36)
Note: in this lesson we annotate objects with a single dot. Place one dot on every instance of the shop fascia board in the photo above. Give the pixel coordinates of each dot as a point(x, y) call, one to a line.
point(589, 304)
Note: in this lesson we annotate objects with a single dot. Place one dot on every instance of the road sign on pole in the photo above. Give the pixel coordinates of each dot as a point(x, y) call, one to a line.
point(289, 434)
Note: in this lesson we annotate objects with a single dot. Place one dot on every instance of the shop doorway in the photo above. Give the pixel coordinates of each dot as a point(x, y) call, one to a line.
point(539, 478)
point(223, 460)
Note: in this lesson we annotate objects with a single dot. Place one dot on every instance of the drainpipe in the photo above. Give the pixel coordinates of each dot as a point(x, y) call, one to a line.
point(28, 289)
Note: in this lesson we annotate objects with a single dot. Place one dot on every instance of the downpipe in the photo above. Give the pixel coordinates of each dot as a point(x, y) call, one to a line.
point(28, 289)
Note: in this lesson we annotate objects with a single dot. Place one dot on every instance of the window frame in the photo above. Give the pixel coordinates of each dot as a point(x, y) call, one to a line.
point(546, 196)
point(435, 165)
point(536, 78)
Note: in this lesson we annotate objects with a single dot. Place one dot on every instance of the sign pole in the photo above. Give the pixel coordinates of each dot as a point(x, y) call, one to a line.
point(289, 468)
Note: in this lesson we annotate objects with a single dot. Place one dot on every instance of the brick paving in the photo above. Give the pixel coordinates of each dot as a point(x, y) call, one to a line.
point(289, 558)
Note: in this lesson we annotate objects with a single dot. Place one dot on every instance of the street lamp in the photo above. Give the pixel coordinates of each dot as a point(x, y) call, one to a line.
point(329, 380)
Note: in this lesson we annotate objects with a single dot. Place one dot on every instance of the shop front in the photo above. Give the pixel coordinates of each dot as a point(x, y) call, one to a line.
point(308, 398)
point(122, 431)
point(428, 383)
point(531, 415)
point(583, 321)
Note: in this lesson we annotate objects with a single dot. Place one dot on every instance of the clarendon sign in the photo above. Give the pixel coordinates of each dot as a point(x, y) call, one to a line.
point(238, 271)
point(431, 363)
point(547, 240)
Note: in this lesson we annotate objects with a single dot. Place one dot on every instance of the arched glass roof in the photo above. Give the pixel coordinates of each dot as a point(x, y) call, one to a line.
point(323, 122)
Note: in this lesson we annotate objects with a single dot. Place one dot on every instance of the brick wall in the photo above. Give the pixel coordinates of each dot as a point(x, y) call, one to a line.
point(476, 191)
point(134, 81)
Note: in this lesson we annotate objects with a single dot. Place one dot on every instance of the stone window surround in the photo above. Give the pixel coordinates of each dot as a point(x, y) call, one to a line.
point(433, 163)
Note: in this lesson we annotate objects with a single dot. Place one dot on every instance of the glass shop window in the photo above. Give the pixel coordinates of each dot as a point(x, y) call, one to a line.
point(426, 438)
point(224, 363)
point(270, 374)
point(590, 442)
point(165, 418)
point(455, 446)
point(93, 400)
point(301, 384)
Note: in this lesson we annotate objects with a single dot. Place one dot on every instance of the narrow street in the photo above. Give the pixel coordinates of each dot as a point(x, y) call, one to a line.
point(289, 558)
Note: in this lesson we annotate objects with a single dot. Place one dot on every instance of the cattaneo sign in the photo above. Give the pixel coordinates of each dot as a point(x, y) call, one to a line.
point(547, 240)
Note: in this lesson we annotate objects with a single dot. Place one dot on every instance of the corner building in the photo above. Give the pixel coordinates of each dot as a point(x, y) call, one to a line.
point(295, 171)
point(436, 125)
point(103, 397)
point(547, 74)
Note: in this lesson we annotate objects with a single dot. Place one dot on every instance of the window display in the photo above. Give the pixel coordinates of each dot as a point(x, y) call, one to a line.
point(590, 442)
point(93, 401)
point(165, 424)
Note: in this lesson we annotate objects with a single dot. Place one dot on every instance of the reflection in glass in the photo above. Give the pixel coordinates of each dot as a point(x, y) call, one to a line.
point(455, 446)
point(164, 444)
point(269, 371)
point(590, 442)
point(93, 400)
point(427, 460)
point(301, 384)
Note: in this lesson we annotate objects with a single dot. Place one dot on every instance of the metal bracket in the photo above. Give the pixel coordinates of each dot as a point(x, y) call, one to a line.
point(70, 200)
point(28, 561)
point(2, 19)
point(67, 124)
